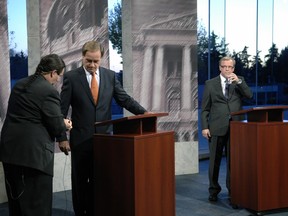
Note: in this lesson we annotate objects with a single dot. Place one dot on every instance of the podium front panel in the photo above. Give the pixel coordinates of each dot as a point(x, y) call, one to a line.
point(135, 175)
point(259, 165)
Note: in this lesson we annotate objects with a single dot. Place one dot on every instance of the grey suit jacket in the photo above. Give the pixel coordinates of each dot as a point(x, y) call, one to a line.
point(216, 109)
point(76, 92)
point(33, 121)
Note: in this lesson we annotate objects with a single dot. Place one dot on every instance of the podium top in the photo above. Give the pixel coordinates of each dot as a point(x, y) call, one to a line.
point(263, 114)
point(137, 124)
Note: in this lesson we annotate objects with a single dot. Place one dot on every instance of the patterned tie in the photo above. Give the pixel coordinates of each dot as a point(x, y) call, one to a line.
point(226, 89)
point(94, 87)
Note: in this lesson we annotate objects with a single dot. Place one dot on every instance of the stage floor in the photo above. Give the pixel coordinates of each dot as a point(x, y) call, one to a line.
point(191, 197)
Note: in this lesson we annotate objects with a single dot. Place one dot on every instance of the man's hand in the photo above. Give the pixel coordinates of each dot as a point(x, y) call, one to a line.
point(64, 147)
point(206, 133)
point(68, 124)
point(145, 113)
point(233, 78)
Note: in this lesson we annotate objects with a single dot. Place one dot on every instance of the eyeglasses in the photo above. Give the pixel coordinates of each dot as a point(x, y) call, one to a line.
point(224, 66)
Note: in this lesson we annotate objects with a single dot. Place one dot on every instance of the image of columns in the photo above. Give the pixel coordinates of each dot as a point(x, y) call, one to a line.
point(164, 52)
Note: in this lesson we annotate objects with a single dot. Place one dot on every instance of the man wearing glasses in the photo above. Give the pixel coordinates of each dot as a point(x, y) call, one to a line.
point(222, 96)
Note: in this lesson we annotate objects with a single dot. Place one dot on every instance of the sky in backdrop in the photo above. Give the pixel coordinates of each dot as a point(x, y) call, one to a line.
point(240, 24)
point(241, 19)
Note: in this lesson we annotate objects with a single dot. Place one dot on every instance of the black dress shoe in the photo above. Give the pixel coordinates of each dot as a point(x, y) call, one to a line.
point(213, 198)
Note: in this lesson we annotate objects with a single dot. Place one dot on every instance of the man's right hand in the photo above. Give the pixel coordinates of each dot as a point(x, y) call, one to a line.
point(64, 147)
point(206, 133)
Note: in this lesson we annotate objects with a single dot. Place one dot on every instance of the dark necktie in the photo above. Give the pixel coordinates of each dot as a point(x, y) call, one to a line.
point(94, 87)
point(226, 89)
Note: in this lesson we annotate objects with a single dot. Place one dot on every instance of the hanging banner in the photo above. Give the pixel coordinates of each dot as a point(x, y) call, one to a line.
point(164, 50)
point(66, 25)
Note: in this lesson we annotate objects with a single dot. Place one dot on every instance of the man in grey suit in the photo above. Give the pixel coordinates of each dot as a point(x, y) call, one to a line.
point(85, 112)
point(222, 95)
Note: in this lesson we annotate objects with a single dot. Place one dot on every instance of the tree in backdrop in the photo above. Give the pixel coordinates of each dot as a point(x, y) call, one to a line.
point(18, 65)
point(115, 27)
point(242, 62)
point(271, 66)
point(256, 65)
point(202, 51)
point(209, 47)
point(18, 61)
point(115, 36)
point(282, 73)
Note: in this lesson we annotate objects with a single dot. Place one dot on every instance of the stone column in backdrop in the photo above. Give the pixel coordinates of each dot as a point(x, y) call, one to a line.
point(4, 81)
point(158, 70)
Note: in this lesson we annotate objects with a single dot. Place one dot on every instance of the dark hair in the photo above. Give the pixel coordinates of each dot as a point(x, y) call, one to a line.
point(47, 64)
point(92, 46)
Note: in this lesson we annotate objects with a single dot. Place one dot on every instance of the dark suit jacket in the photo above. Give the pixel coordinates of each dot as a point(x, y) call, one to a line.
point(216, 109)
point(76, 92)
point(33, 121)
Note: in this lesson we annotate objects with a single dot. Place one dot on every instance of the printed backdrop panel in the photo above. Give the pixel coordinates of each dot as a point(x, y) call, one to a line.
point(164, 50)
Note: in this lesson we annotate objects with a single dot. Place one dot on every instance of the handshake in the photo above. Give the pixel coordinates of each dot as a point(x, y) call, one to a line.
point(68, 124)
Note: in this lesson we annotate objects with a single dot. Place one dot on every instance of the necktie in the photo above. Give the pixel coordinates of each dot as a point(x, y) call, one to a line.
point(94, 87)
point(226, 89)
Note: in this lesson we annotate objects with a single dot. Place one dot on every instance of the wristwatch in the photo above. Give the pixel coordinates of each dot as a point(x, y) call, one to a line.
point(239, 81)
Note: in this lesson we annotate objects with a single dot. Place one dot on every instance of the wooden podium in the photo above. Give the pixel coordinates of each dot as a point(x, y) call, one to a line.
point(259, 161)
point(135, 168)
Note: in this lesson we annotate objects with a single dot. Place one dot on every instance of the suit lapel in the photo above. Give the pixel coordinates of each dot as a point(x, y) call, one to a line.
point(231, 90)
point(103, 77)
point(218, 86)
point(84, 83)
point(101, 84)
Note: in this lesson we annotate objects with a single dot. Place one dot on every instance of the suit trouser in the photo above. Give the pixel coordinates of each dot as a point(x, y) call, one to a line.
point(82, 178)
point(29, 191)
point(216, 146)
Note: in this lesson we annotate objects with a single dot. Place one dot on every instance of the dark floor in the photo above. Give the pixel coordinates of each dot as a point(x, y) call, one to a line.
point(191, 198)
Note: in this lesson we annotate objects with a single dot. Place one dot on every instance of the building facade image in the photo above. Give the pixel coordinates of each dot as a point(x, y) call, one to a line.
point(66, 26)
point(165, 67)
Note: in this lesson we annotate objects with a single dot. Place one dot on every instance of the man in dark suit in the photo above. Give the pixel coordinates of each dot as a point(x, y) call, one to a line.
point(86, 110)
point(222, 95)
point(32, 122)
